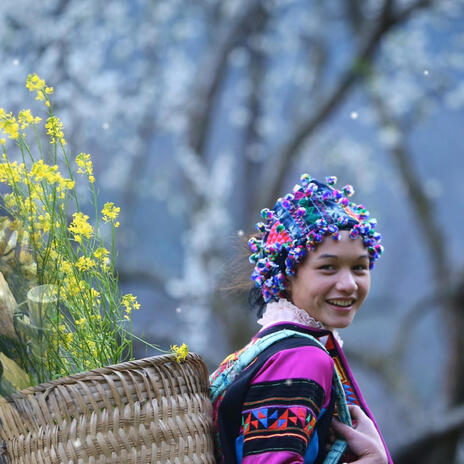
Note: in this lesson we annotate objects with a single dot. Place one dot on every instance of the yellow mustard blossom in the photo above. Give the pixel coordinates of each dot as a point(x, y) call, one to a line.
point(96, 300)
point(54, 129)
point(101, 253)
point(66, 267)
point(73, 286)
point(12, 173)
point(43, 221)
point(181, 352)
point(42, 171)
point(65, 336)
point(68, 338)
point(85, 166)
point(8, 124)
point(129, 302)
point(25, 118)
point(94, 293)
point(64, 185)
point(110, 213)
point(9, 200)
point(85, 263)
point(80, 227)
point(35, 84)
point(80, 322)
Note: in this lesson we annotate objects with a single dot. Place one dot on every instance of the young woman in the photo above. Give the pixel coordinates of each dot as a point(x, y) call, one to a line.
point(278, 399)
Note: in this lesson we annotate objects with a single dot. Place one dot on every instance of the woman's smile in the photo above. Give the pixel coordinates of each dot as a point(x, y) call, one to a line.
point(342, 303)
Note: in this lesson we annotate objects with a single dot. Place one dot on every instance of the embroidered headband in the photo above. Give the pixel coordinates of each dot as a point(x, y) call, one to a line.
point(298, 222)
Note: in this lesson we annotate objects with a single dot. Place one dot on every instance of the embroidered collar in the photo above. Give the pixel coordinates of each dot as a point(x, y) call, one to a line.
point(285, 311)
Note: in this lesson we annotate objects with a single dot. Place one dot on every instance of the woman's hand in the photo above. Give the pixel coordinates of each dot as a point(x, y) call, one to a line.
point(363, 440)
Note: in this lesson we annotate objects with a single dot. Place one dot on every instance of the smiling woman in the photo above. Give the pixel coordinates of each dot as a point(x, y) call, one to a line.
point(278, 399)
point(333, 281)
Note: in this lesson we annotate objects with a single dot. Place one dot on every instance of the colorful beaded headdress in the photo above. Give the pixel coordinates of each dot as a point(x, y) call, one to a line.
point(298, 222)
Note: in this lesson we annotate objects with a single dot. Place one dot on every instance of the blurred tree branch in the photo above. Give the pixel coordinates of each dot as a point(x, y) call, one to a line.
point(150, 278)
point(274, 172)
point(421, 204)
point(213, 72)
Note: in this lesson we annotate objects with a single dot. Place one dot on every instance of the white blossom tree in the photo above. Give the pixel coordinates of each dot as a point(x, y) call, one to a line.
point(200, 113)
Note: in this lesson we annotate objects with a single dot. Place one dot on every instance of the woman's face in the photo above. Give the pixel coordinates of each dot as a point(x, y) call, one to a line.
point(333, 281)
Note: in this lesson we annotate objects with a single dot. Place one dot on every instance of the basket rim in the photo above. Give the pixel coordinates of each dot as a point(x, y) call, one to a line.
point(94, 373)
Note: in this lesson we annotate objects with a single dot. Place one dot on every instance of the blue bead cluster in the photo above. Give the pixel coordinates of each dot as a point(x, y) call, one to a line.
point(301, 220)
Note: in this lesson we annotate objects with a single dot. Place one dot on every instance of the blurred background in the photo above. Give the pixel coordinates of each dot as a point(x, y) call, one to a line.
point(198, 113)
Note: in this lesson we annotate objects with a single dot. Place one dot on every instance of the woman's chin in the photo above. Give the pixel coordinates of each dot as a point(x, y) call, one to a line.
point(340, 322)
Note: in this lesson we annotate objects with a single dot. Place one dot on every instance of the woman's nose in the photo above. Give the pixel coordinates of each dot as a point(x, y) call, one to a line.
point(346, 282)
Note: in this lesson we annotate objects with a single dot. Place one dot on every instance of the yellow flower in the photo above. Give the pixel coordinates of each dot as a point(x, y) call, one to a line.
point(66, 267)
point(95, 301)
point(85, 166)
point(84, 263)
point(44, 222)
point(181, 352)
point(35, 84)
point(42, 171)
point(101, 253)
point(68, 339)
point(11, 173)
point(129, 301)
point(110, 213)
point(94, 293)
point(8, 124)
point(54, 129)
point(25, 118)
point(80, 227)
point(73, 286)
point(63, 185)
point(80, 322)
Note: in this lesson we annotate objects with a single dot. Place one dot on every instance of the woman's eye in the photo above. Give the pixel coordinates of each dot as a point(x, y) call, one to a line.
point(360, 267)
point(327, 267)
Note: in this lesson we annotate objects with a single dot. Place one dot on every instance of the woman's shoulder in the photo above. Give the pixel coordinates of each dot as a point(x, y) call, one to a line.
point(301, 357)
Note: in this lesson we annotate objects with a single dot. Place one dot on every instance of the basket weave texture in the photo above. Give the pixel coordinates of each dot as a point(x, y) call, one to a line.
point(153, 410)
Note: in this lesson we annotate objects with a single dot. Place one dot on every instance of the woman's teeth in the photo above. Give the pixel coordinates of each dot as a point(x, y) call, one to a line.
point(341, 303)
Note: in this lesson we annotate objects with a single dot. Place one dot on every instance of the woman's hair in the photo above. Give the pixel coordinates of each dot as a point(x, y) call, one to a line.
point(238, 275)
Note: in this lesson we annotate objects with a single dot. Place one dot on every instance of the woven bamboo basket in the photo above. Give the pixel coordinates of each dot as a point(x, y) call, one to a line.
point(153, 410)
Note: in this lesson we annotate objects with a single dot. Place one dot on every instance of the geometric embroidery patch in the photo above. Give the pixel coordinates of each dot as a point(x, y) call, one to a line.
point(280, 415)
point(293, 419)
point(277, 427)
